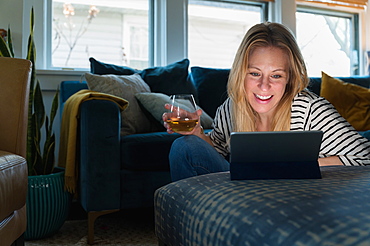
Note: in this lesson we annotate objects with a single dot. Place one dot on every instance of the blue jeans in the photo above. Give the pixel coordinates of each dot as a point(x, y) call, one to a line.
point(191, 156)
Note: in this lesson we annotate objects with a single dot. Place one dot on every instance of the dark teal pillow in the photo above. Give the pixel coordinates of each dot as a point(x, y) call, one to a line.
point(170, 79)
point(101, 68)
point(211, 85)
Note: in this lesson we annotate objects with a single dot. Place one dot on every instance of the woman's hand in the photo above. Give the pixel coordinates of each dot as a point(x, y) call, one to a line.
point(197, 129)
point(330, 161)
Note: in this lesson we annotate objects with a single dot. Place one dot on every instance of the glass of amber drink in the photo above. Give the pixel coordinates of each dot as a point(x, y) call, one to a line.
point(182, 116)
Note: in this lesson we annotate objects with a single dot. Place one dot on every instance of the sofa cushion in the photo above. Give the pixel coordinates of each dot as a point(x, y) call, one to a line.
point(211, 85)
point(154, 103)
point(147, 151)
point(351, 101)
point(170, 79)
point(124, 86)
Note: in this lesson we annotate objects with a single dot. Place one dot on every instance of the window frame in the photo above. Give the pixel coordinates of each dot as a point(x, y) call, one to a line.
point(354, 29)
point(44, 36)
point(263, 4)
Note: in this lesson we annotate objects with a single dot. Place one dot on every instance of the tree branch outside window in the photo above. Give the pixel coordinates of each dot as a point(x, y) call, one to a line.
point(65, 30)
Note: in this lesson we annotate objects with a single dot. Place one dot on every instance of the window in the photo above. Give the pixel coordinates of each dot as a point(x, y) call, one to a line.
point(144, 33)
point(112, 31)
point(216, 29)
point(328, 41)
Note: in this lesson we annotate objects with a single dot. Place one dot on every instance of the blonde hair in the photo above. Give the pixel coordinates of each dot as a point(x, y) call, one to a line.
point(268, 34)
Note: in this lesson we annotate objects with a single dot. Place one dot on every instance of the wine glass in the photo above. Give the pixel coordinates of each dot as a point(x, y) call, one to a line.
point(182, 116)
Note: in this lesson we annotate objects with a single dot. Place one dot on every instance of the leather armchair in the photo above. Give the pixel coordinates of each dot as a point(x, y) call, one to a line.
point(14, 93)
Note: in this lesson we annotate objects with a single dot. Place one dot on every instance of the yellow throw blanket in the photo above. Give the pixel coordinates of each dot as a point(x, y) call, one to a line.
point(68, 135)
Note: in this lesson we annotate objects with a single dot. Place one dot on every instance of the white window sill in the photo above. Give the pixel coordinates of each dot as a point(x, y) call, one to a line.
point(61, 72)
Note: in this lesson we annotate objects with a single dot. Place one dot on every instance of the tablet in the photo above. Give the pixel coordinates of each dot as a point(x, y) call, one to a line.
point(275, 155)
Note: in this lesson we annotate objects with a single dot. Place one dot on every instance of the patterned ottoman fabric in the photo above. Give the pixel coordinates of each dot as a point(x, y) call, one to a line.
point(212, 210)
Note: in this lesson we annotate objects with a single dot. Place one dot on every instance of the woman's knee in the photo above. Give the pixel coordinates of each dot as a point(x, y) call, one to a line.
point(185, 142)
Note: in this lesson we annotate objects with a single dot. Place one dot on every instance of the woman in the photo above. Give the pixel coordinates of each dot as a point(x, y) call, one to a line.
point(267, 92)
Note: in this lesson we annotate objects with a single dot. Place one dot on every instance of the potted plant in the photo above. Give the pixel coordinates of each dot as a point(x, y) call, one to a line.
point(47, 201)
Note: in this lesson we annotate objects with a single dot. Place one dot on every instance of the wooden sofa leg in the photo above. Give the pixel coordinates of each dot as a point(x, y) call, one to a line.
point(91, 217)
point(19, 241)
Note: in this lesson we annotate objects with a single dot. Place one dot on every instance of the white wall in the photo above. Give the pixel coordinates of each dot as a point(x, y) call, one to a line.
point(49, 81)
point(11, 13)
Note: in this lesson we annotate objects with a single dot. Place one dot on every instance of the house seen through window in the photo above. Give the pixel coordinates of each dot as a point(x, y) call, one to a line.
point(216, 29)
point(113, 31)
point(118, 32)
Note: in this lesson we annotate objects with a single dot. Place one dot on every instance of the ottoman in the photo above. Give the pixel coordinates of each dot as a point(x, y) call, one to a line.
point(213, 210)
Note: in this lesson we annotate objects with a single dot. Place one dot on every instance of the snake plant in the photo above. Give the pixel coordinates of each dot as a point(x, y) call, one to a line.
point(40, 158)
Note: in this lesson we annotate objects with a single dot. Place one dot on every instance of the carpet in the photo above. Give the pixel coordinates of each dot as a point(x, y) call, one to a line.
point(129, 228)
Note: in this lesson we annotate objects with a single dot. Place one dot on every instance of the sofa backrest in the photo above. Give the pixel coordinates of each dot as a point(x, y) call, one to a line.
point(211, 87)
point(315, 82)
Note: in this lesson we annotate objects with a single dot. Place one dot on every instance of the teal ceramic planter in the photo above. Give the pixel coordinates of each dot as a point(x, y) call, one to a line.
point(48, 205)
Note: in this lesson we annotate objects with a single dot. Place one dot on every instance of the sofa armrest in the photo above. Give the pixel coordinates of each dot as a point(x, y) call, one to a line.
point(13, 194)
point(99, 154)
point(13, 183)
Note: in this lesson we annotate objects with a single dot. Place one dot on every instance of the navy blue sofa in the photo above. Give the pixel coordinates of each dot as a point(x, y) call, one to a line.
point(119, 172)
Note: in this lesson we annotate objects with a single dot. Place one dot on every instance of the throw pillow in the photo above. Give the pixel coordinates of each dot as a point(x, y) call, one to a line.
point(101, 68)
point(211, 85)
point(154, 104)
point(351, 101)
point(124, 86)
point(170, 79)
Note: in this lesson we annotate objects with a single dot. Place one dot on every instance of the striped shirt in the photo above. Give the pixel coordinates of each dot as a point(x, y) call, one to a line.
point(309, 113)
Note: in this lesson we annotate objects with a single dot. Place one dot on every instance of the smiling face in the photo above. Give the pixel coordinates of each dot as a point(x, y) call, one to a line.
point(266, 79)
